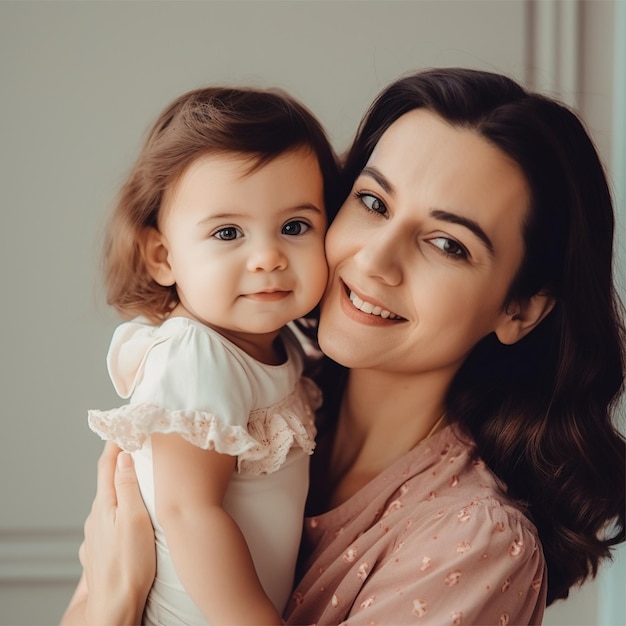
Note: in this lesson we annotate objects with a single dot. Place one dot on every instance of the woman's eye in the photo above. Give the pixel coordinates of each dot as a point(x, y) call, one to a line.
point(372, 203)
point(296, 227)
point(228, 233)
point(450, 247)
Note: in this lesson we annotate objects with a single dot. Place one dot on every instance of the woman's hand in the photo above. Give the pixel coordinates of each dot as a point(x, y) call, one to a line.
point(118, 552)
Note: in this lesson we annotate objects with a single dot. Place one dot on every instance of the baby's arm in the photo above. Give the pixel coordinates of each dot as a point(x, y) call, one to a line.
point(208, 549)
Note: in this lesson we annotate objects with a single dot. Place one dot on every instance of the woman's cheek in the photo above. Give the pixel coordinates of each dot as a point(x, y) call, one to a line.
point(338, 243)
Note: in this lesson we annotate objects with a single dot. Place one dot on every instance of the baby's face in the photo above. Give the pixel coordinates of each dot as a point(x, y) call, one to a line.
point(244, 248)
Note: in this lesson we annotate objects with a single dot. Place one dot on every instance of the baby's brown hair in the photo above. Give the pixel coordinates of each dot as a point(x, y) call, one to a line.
point(256, 124)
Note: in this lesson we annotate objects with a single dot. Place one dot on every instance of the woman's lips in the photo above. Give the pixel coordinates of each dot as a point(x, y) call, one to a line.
point(369, 308)
point(368, 312)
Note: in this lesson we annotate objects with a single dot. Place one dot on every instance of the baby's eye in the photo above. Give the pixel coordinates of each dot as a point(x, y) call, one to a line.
point(295, 227)
point(371, 202)
point(228, 233)
point(450, 247)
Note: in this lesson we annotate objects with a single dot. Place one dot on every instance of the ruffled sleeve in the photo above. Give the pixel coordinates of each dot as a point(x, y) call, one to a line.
point(277, 429)
point(184, 379)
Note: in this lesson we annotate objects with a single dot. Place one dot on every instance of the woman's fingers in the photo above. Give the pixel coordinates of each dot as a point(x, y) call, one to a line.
point(118, 551)
point(129, 500)
point(82, 554)
point(106, 475)
point(125, 476)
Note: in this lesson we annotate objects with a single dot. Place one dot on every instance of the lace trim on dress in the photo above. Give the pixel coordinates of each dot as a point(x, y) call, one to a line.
point(261, 448)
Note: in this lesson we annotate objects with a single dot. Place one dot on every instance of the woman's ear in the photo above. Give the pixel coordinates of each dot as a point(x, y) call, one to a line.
point(521, 317)
point(156, 257)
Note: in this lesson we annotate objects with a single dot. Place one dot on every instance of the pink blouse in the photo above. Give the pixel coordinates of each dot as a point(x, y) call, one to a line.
point(431, 540)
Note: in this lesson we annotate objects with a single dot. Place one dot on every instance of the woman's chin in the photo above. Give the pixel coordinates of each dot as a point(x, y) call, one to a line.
point(337, 344)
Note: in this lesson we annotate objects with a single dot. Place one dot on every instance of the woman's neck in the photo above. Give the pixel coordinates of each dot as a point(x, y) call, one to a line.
point(383, 415)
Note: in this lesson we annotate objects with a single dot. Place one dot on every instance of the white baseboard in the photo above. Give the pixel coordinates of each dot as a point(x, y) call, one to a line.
point(39, 555)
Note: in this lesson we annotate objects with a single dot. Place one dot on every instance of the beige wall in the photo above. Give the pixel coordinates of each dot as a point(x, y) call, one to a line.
point(79, 83)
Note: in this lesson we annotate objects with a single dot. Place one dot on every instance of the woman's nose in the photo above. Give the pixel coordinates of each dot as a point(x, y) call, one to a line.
point(266, 256)
point(381, 257)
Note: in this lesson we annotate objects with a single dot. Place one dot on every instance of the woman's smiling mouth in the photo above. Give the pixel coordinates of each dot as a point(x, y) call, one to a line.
point(369, 308)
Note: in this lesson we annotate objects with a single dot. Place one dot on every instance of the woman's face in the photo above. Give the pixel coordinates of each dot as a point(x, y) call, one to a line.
point(424, 250)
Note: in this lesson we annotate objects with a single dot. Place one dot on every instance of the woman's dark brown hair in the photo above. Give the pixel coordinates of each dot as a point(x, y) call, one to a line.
point(540, 411)
point(259, 125)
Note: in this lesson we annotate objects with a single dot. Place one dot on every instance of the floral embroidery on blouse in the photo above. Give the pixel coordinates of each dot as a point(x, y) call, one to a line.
point(452, 549)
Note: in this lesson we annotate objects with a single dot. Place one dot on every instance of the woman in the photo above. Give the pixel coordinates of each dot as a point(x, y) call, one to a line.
point(467, 469)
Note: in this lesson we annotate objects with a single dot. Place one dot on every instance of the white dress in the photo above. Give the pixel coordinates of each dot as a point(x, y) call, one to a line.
point(183, 377)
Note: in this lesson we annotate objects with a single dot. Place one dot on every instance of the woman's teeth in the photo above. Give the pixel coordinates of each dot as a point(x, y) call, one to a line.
point(368, 307)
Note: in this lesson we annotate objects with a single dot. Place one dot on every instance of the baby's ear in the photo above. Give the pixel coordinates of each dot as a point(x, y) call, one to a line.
point(521, 317)
point(156, 257)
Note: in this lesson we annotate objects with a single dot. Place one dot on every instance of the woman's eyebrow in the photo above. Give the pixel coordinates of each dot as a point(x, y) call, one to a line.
point(471, 225)
point(445, 216)
point(379, 177)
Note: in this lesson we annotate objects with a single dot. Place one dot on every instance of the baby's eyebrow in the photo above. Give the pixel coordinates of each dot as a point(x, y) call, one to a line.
point(235, 216)
point(220, 217)
point(307, 206)
point(474, 227)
